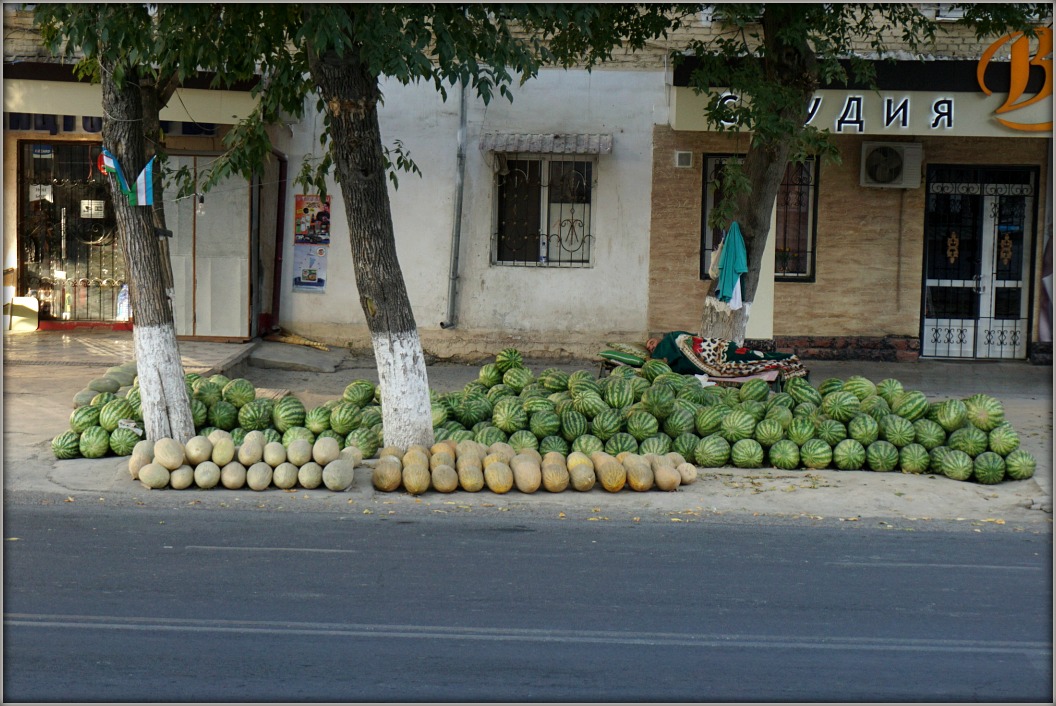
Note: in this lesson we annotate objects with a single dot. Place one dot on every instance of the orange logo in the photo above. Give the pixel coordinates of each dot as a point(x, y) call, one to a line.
point(1020, 72)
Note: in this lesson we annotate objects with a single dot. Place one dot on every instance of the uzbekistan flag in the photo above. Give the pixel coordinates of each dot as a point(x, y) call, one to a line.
point(143, 195)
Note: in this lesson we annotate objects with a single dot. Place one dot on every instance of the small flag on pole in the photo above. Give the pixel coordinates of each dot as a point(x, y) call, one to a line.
point(143, 195)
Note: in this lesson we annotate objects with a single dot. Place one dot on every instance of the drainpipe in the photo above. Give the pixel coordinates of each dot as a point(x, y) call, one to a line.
point(280, 225)
point(456, 230)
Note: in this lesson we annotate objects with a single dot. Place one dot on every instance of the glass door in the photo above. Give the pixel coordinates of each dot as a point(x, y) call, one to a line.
point(978, 230)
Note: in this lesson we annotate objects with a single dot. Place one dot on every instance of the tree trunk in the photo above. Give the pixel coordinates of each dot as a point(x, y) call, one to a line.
point(166, 406)
point(155, 96)
point(351, 95)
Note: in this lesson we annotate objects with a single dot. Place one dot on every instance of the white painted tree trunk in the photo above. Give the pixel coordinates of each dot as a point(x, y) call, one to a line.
point(163, 391)
point(405, 405)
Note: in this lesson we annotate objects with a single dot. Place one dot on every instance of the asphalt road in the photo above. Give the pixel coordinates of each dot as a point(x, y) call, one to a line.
point(186, 604)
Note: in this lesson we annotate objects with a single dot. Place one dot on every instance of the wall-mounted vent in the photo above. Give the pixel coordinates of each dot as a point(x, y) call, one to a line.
point(891, 165)
point(683, 160)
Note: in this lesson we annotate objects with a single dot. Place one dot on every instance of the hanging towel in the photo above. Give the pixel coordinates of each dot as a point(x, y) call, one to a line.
point(733, 263)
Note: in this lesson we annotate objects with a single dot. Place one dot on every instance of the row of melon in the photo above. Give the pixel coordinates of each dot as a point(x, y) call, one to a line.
point(470, 466)
point(215, 460)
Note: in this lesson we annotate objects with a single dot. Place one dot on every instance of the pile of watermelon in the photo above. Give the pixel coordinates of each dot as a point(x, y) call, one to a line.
point(852, 424)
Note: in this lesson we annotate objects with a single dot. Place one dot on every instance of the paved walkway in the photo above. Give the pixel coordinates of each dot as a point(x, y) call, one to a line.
point(43, 370)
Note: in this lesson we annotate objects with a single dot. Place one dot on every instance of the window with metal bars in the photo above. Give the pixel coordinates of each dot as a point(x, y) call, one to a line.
point(795, 221)
point(544, 210)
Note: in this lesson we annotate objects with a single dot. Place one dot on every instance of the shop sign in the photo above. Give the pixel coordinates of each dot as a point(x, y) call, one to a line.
point(1019, 69)
point(93, 209)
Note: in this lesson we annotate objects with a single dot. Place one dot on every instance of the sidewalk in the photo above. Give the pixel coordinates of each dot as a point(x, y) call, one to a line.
point(43, 370)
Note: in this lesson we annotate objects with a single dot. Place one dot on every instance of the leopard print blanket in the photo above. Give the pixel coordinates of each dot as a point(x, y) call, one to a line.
point(722, 358)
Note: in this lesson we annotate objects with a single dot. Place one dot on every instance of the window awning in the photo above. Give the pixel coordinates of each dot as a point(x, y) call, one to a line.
point(557, 143)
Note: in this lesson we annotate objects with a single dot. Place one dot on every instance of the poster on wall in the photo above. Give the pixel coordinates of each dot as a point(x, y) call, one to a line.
point(311, 242)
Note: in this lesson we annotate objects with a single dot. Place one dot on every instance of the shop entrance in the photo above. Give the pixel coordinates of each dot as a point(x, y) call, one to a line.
point(978, 233)
point(69, 257)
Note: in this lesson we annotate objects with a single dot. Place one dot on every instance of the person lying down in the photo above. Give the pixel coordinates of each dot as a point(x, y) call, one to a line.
point(718, 357)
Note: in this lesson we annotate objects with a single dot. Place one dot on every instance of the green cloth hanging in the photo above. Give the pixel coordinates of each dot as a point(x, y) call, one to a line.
point(733, 262)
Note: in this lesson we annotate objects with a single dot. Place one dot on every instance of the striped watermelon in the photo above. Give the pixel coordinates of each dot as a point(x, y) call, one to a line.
point(553, 443)
point(489, 375)
point(849, 455)
point(1020, 465)
point(831, 431)
point(1003, 439)
point(914, 458)
point(864, 429)
point(642, 425)
point(239, 392)
point(537, 403)
point(988, 468)
point(366, 440)
point(359, 392)
point(805, 409)
point(654, 367)
point(344, 417)
point(929, 434)
point(580, 385)
point(292, 434)
point(911, 405)
point(659, 400)
point(489, 435)
point(781, 399)
point(199, 413)
point(606, 424)
point(123, 441)
point(756, 409)
point(587, 444)
point(621, 442)
point(318, 423)
point(951, 414)
point(859, 386)
point(589, 404)
point(815, 454)
point(509, 415)
point(712, 451)
point(802, 391)
point(937, 454)
point(619, 393)
point(830, 385)
point(544, 423)
point(475, 407)
point(984, 411)
point(573, 425)
point(737, 425)
point(956, 464)
point(781, 415)
point(371, 415)
point(755, 389)
point(888, 389)
point(94, 442)
point(509, 358)
point(288, 412)
point(768, 432)
point(84, 417)
point(784, 455)
point(523, 439)
point(969, 439)
point(747, 453)
point(255, 415)
point(517, 378)
point(238, 434)
point(67, 445)
point(685, 444)
point(898, 430)
point(555, 381)
point(876, 407)
point(658, 444)
point(273, 435)
point(800, 430)
point(881, 456)
point(497, 391)
point(223, 415)
point(533, 390)
point(841, 405)
point(708, 420)
point(113, 412)
point(208, 392)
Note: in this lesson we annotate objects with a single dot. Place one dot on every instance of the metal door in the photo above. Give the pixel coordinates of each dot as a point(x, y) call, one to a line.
point(978, 230)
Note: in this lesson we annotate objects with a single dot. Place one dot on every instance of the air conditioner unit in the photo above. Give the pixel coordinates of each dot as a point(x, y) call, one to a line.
point(891, 165)
point(683, 160)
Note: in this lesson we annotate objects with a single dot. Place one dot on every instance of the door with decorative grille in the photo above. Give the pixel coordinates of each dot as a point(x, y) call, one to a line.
point(978, 231)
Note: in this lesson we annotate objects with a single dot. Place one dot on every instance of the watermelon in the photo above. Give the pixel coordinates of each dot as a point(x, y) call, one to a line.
point(1020, 465)
point(768, 432)
point(956, 464)
point(800, 430)
point(692, 393)
point(573, 425)
point(685, 444)
point(929, 434)
point(913, 458)
point(708, 420)
point(134, 398)
point(489, 375)
point(208, 392)
point(756, 409)
point(679, 422)
point(830, 385)
point(544, 423)
point(937, 454)
point(755, 389)
point(288, 412)
point(675, 380)
point(344, 417)
point(712, 451)
point(94, 442)
point(859, 386)
point(508, 358)
point(737, 425)
point(642, 425)
point(67, 445)
point(496, 392)
point(533, 390)
point(523, 438)
point(102, 398)
point(113, 412)
point(781, 399)
point(589, 404)
point(509, 415)
point(889, 388)
point(255, 415)
point(619, 393)
point(781, 415)
point(621, 442)
point(517, 378)
point(606, 424)
point(802, 392)
point(456, 436)
point(639, 385)
point(239, 392)
point(537, 404)
point(553, 443)
point(273, 435)
point(475, 407)
point(659, 444)
point(587, 444)
point(805, 409)
point(831, 431)
point(881, 456)
point(815, 454)
point(489, 435)
point(84, 417)
point(123, 441)
point(366, 440)
point(747, 453)
point(653, 367)
point(238, 434)
point(849, 455)
point(951, 415)
point(864, 429)
point(199, 413)
point(370, 415)
point(450, 425)
point(1003, 439)
point(659, 400)
point(555, 381)
point(876, 407)
point(840, 405)
point(784, 454)
point(294, 433)
point(984, 411)
point(911, 405)
point(988, 468)
point(219, 379)
point(898, 430)
point(969, 439)
point(578, 377)
point(439, 434)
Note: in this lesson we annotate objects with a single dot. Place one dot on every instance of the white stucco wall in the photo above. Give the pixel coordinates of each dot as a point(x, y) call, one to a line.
point(534, 302)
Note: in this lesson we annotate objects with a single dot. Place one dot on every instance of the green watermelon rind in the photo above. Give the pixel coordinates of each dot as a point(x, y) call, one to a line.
point(849, 455)
point(713, 451)
point(1020, 465)
point(66, 445)
point(784, 454)
point(988, 468)
point(881, 456)
point(747, 453)
point(815, 454)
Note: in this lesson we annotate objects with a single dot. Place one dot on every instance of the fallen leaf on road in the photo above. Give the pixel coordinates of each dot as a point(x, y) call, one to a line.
point(561, 515)
point(368, 511)
point(996, 522)
point(13, 539)
point(69, 499)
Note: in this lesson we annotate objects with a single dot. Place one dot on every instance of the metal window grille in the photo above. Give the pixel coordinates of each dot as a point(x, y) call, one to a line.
point(795, 227)
point(69, 257)
point(545, 214)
